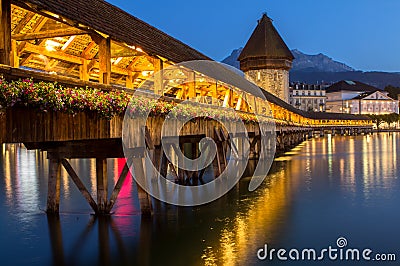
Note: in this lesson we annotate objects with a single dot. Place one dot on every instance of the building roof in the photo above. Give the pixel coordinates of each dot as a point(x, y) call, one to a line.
point(366, 94)
point(266, 42)
point(118, 24)
point(349, 85)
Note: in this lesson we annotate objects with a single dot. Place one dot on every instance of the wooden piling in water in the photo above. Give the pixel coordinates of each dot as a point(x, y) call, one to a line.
point(102, 185)
point(54, 182)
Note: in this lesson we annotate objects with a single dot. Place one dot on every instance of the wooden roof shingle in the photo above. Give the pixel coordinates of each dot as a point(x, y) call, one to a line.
point(265, 42)
point(121, 26)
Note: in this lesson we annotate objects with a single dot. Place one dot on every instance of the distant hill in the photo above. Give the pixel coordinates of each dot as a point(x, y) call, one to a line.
point(376, 79)
point(317, 63)
point(321, 68)
point(232, 59)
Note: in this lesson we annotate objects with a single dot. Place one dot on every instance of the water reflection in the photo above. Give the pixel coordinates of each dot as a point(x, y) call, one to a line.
point(321, 189)
point(261, 214)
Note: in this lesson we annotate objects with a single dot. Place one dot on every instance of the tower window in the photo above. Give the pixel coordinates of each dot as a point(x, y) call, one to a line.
point(258, 75)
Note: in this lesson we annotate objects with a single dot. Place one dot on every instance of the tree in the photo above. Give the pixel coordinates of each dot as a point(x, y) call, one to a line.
point(377, 119)
point(393, 91)
point(391, 118)
point(388, 118)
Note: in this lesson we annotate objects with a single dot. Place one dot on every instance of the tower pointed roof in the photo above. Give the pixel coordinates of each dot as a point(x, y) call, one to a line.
point(265, 49)
point(266, 42)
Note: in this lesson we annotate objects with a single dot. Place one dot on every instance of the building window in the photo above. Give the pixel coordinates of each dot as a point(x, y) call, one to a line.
point(258, 75)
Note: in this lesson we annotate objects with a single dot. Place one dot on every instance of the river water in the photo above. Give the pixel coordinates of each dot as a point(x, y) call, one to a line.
point(324, 189)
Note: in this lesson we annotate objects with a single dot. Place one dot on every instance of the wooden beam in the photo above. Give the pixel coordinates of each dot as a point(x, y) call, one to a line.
point(85, 52)
point(48, 34)
point(105, 61)
point(130, 80)
point(118, 185)
point(39, 24)
point(192, 85)
point(158, 76)
point(14, 54)
point(54, 182)
point(21, 25)
point(144, 198)
point(37, 27)
point(5, 32)
point(102, 185)
point(114, 69)
point(134, 61)
point(227, 98)
point(77, 181)
point(214, 92)
point(129, 53)
point(84, 71)
point(68, 43)
point(30, 48)
point(239, 102)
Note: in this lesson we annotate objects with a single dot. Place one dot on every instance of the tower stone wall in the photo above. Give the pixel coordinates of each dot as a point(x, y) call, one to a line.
point(275, 81)
point(266, 59)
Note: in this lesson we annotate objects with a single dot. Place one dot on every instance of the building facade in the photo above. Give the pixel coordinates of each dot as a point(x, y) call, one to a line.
point(308, 97)
point(266, 60)
point(353, 97)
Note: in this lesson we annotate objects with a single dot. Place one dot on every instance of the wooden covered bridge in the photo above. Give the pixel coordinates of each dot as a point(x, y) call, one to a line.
point(95, 49)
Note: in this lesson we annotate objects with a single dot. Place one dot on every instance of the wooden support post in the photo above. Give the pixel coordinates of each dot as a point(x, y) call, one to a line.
point(163, 169)
point(215, 93)
point(129, 81)
point(5, 32)
point(227, 98)
point(105, 60)
point(144, 198)
point(158, 76)
point(239, 103)
point(84, 71)
point(79, 184)
point(54, 181)
point(192, 85)
point(102, 188)
point(14, 54)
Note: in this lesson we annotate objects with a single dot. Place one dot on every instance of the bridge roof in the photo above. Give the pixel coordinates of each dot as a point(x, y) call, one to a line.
point(116, 23)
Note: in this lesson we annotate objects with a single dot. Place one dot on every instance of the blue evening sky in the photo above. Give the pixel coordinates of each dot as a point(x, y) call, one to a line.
point(364, 34)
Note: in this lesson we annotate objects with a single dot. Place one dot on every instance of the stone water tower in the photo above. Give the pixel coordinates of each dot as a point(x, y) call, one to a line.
point(266, 60)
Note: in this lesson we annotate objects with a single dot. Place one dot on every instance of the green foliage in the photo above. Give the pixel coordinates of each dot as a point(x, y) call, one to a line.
point(378, 120)
point(393, 91)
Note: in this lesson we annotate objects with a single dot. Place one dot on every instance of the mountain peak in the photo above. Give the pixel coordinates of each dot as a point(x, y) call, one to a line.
point(302, 62)
point(318, 62)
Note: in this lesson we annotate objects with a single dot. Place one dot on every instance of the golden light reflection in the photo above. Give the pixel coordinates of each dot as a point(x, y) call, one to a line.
point(240, 236)
point(7, 174)
point(93, 182)
point(65, 182)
